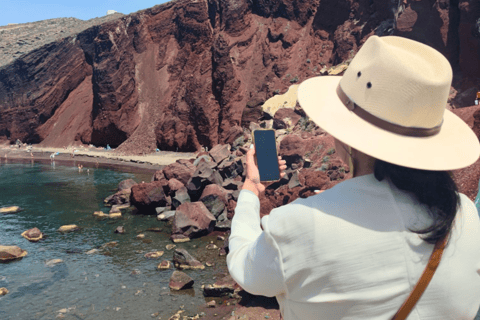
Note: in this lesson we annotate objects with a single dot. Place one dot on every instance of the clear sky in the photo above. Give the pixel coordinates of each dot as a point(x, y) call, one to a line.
point(21, 11)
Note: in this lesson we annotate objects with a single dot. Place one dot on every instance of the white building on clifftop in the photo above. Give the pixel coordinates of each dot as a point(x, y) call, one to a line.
point(109, 12)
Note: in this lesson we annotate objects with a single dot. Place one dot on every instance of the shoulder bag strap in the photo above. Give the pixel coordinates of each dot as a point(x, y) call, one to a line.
point(422, 284)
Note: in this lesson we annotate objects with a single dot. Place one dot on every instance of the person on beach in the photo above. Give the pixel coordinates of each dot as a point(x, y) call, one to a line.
point(360, 249)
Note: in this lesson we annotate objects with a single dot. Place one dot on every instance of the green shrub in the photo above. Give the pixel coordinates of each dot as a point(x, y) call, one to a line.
point(331, 151)
point(341, 170)
point(326, 159)
point(294, 80)
point(324, 167)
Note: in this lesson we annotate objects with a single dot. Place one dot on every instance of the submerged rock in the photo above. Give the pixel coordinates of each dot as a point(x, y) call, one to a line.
point(68, 228)
point(165, 264)
point(140, 236)
point(154, 229)
point(100, 214)
point(53, 262)
point(178, 238)
point(180, 280)
point(154, 254)
point(10, 253)
point(183, 260)
point(93, 251)
point(120, 230)
point(33, 234)
point(10, 210)
point(170, 246)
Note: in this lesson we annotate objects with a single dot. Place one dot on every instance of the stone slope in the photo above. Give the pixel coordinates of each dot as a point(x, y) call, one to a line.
point(188, 74)
point(19, 39)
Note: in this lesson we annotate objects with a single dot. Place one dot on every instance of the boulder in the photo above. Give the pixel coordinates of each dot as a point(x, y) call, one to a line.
point(120, 230)
point(230, 184)
point(119, 198)
point(203, 176)
point(173, 186)
point(147, 196)
point(180, 280)
point(10, 210)
point(215, 199)
point(33, 234)
point(160, 210)
point(285, 118)
point(165, 264)
point(192, 219)
point(181, 196)
point(167, 215)
point(232, 204)
point(140, 236)
point(205, 158)
point(154, 229)
point(221, 287)
point(294, 180)
point(10, 253)
point(181, 171)
point(315, 180)
point(158, 175)
point(154, 254)
point(3, 291)
point(170, 246)
point(223, 224)
point(292, 149)
point(220, 152)
point(68, 228)
point(183, 260)
point(126, 184)
point(230, 169)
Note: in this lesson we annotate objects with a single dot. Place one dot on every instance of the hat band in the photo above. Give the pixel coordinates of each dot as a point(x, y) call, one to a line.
point(382, 124)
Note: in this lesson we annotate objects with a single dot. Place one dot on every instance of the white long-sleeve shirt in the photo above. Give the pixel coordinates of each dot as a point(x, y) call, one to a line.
point(347, 253)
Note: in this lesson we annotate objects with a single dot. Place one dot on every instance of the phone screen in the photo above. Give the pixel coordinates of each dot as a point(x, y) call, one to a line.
point(266, 153)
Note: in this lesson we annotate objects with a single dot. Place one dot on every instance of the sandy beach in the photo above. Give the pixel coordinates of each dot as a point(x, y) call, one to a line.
point(88, 156)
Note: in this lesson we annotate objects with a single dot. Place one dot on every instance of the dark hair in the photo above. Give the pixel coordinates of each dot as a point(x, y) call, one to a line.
point(435, 189)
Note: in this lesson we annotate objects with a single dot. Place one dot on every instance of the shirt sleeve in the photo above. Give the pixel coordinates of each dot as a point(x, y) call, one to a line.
point(254, 260)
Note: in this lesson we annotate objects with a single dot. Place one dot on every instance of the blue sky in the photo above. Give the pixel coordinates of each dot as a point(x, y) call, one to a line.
point(21, 11)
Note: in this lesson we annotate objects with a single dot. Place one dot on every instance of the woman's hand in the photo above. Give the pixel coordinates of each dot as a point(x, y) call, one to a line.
point(252, 180)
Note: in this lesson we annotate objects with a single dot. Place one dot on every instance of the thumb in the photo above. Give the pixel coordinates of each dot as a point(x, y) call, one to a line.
point(250, 154)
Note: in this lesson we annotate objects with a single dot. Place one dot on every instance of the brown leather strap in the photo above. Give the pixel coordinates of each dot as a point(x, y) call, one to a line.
point(385, 125)
point(422, 284)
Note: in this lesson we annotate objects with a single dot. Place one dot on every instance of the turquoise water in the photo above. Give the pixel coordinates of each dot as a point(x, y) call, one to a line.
point(96, 286)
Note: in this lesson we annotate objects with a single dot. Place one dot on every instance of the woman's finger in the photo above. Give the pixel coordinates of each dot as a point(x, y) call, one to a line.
point(282, 175)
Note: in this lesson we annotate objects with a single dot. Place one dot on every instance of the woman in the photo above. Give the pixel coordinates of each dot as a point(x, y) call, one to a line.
point(356, 251)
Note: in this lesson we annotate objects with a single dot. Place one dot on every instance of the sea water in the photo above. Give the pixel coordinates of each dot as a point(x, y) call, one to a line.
point(115, 283)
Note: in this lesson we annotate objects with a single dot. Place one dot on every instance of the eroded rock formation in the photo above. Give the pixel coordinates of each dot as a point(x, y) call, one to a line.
point(179, 76)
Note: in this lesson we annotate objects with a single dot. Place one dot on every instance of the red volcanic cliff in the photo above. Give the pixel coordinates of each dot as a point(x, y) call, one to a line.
point(180, 75)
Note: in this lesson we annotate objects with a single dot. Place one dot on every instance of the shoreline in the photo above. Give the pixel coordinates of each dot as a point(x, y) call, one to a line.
point(92, 157)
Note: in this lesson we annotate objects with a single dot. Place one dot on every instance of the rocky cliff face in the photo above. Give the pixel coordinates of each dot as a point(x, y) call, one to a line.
point(181, 75)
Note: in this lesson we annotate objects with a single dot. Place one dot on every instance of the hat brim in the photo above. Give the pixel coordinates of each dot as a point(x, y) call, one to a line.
point(454, 147)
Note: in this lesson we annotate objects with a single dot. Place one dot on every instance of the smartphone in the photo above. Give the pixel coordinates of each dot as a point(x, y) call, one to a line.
point(266, 155)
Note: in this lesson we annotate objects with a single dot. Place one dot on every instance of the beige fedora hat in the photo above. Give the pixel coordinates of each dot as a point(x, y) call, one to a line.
point(390, 104)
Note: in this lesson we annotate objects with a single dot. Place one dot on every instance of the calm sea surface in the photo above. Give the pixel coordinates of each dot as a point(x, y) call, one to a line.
point(96, 286)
